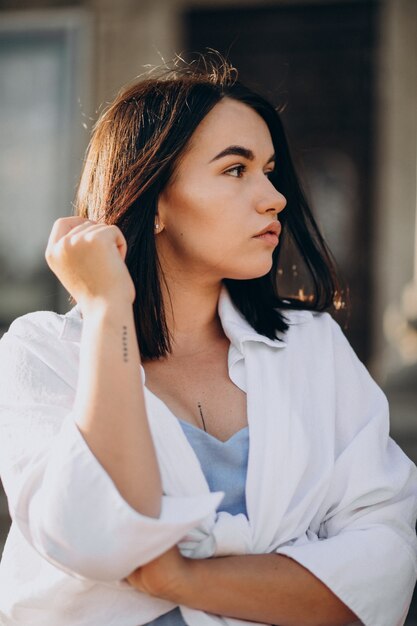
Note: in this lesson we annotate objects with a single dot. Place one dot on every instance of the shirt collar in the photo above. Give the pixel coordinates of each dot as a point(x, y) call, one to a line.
point(237, 328)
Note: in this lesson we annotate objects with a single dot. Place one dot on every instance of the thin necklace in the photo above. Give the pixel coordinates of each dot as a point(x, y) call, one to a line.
point(201, 414)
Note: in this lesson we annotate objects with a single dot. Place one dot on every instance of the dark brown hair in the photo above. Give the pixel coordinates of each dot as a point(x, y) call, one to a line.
point(134, 151)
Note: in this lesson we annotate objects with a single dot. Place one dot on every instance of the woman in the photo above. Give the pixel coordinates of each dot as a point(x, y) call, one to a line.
point(248, 402)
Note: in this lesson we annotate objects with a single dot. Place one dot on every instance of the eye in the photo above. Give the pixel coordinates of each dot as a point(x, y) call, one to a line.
point(237, 168)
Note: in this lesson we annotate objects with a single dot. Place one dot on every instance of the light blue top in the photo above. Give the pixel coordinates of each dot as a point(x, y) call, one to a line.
point(224, 464)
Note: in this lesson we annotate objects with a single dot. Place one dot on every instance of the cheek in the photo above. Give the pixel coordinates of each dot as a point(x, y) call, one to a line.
point(193, 207)
point(205, 221)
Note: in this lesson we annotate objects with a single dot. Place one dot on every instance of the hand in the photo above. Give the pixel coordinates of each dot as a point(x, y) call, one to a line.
point(88, 258)
point(164, 577)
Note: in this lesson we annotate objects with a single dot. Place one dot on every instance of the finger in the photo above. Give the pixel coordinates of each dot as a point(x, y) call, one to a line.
point(134, 580)
point(63, 226)
point(86, 228)
point(110, 232)
point(116, 236)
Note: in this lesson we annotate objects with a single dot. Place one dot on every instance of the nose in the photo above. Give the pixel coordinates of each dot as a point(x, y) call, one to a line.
point(272, 201)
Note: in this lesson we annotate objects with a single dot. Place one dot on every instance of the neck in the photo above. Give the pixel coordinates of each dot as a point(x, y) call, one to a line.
point(191, 314)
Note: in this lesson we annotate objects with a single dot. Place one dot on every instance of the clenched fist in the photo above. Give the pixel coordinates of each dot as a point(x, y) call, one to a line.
point(88, 258)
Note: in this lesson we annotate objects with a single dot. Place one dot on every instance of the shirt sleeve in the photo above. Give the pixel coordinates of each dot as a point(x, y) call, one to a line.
point(365, 550)
point(60, 497)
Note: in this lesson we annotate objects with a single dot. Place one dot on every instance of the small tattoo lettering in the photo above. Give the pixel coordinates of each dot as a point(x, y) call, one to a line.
point(124, 344)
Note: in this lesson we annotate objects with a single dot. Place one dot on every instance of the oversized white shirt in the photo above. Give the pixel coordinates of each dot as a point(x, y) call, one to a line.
point(335, 492)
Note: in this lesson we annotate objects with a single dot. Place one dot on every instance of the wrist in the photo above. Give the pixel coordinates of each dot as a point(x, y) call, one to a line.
point(187, 582)
point(105, 308)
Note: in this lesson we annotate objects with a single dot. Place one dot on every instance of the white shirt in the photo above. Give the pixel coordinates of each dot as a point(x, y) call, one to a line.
point(335, 492)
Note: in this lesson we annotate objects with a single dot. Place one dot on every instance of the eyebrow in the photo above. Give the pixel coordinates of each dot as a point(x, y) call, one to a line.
point(239, 151)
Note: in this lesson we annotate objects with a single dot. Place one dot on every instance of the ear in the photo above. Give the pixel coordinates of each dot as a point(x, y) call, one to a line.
point(161, 212)
point(162, 207)
point(159, 225)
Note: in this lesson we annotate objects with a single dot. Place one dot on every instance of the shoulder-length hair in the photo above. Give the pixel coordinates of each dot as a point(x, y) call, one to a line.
point(135, 148)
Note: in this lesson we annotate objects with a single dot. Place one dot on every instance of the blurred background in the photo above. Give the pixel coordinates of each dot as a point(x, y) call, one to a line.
point(344, 74)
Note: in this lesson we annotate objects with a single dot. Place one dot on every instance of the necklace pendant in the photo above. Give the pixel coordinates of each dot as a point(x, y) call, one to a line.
point(201, 415)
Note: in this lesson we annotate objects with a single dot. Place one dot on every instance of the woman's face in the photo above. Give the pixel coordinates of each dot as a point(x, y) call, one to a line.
point(221, 198)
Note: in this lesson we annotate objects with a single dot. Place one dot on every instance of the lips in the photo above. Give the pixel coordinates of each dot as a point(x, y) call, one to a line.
point(274, 228)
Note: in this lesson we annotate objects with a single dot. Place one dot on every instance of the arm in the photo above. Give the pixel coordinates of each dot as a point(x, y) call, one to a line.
point(110, 408)
point(364, 543)
point(266, 588)
point(88, 258)
point(76, 472)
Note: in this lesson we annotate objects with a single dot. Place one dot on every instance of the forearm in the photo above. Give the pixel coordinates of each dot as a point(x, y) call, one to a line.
point(110, 408)
point(266, 588)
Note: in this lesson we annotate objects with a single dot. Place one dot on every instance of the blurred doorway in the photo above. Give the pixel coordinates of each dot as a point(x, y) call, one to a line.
point(318, 61)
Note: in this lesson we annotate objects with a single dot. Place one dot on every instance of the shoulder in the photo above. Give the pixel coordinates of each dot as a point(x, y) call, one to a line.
point(316, 343)
point(37, 324)
point(320, 346)
point(311, 327)
point(47, 325)
point(35, 342)
point(319, 355)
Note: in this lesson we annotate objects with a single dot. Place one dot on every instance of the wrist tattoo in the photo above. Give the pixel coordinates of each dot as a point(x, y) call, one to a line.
point(124, 342)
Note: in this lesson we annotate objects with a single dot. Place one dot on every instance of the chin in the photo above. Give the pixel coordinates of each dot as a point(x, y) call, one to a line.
point(251, 273)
